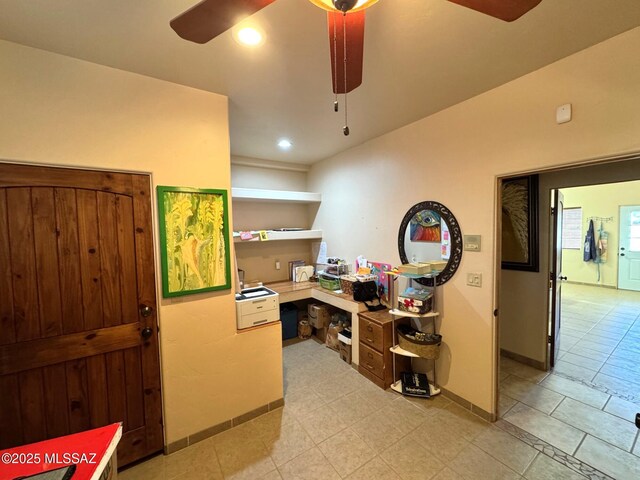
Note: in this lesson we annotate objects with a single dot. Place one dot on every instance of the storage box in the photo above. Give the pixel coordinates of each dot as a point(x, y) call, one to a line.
point(321, 334)
point(439, 265)
point(289, 319)
point(346, 283)
point(419, 303)
point(319, 315)
point(426, 345)
point(418, 268)
point(345, 352)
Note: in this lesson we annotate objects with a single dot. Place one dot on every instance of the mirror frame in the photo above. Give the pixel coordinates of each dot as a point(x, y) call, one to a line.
point(454, 231)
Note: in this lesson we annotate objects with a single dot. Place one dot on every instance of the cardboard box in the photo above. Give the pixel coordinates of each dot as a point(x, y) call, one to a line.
point(345, 352)
point(415, 268)
point(319, 315)
point(321, 334)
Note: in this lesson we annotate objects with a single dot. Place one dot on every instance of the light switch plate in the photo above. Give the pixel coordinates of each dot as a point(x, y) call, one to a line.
point(474, 279)
point(472, 243)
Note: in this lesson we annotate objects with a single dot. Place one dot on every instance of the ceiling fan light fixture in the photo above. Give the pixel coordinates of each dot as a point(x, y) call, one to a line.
point(329, 5)
point(250, 36)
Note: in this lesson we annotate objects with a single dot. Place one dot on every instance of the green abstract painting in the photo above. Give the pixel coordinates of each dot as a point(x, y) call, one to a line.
point(194, 240)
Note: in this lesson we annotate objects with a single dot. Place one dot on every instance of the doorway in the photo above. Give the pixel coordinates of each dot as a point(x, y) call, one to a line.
point(629, 255)
point(78, 331)
point(570, 399)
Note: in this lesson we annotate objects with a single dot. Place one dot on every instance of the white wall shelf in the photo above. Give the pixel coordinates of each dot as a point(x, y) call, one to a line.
point(256, 194)
point(277, 235)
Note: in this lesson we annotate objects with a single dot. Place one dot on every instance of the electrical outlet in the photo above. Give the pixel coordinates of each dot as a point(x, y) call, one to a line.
point(277, 264)
point(474, 279)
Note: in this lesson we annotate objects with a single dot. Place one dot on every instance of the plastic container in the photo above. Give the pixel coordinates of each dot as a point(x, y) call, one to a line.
point(289, 319)
point(328, 281)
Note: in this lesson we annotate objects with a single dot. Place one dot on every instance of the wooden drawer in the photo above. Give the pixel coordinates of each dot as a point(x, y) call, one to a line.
point(371, 334)
point(371, 361)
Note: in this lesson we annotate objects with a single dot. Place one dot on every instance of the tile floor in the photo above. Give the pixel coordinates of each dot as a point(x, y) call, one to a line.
point(338, 425)
point(586, 406)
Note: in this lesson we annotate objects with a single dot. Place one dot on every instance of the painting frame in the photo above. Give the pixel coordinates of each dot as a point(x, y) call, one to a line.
point(529, 239)
point(170, 235)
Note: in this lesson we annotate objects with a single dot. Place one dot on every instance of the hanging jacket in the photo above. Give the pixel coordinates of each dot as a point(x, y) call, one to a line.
point(590, 251)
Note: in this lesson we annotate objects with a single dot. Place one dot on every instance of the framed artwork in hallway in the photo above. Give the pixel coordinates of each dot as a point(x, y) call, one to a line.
point(520, 223)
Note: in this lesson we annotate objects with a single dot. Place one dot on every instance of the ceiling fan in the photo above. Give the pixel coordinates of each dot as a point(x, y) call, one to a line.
point(209, 18)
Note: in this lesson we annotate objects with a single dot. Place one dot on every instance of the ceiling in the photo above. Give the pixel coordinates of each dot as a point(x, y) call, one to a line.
point(421, 56)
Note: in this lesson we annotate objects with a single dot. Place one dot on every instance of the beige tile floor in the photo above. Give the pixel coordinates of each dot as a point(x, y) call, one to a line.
point(586, 406)
point(338, 425)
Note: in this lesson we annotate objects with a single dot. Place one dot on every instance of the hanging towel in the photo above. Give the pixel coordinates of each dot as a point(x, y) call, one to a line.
point(590, 250)
point(603, 244)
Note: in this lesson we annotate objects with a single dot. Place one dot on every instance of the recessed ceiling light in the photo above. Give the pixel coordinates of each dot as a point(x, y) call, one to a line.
point(285, 144)
point(250, 36)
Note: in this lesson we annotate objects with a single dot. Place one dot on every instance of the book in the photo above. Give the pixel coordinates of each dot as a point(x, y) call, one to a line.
point(292, 267)
point(415, 384)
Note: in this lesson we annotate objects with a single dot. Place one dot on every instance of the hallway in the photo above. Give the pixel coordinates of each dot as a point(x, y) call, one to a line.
point(585, 408)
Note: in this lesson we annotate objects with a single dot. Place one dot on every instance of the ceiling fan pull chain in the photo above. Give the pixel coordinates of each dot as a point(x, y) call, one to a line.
point(345, 129)
point(335, 65)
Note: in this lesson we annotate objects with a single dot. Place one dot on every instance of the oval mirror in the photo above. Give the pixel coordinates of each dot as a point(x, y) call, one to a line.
point(429, 232)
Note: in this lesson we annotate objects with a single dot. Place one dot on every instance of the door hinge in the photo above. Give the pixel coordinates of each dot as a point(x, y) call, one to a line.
point(553, 211)
point(549, 339)
point(552, 276)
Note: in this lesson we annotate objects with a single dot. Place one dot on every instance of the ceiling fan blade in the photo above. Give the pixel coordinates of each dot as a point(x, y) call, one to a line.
point(210, 18)
point(507, 10)
point(355, 49)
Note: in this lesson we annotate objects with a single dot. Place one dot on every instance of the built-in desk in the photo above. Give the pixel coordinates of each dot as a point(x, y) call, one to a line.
point(292, 291)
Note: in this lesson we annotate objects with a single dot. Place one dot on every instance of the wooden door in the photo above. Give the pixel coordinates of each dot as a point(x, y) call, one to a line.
point(555, 277)
point(77, 349)
point(629, 250)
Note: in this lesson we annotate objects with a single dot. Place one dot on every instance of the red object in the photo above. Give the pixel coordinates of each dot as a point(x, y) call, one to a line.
point(353, 22)
point(210, 18)
point(507, 10)
point(90, 451)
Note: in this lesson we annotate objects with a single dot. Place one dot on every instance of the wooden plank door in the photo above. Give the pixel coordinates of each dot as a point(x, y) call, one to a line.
point(78, 348)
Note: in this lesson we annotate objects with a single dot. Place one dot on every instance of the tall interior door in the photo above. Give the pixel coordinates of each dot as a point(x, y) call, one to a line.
point(78, 331)
point(629, 251)
point(555, 276)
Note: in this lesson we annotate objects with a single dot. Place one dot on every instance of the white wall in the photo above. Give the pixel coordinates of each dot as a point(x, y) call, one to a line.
point(61, 111)
point(454, 157)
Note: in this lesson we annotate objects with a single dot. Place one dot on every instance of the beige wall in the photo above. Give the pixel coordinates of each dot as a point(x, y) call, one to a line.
point(256, 173)
point(599, 201)
point(61, 111)
point(455, 156)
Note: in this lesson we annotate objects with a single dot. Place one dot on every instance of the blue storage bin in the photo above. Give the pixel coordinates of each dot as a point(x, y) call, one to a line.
point(289, 319)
